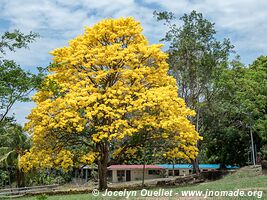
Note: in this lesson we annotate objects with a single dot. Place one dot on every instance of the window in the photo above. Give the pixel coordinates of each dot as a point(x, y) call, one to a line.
point(120, 173)
point(175, 172)
point(109, 173)
point(109, 176)
point(153, 172)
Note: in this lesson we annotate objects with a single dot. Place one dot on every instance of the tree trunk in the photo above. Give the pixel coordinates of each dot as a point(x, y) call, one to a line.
point(18, 178)
point(9, 178)
point(173, 169)
point(195, 165)
point(102, 169)
point(144, 167)
point(23, 184)
point(143, 177)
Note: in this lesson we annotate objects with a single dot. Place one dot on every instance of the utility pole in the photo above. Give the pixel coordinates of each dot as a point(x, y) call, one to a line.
point(252, 147)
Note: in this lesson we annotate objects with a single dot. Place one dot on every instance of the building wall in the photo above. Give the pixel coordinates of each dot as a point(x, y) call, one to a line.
point(182, 172)
point(185, 172)
point(136, 174)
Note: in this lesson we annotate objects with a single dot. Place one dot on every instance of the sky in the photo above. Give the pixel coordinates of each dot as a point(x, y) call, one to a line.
point(58, 21)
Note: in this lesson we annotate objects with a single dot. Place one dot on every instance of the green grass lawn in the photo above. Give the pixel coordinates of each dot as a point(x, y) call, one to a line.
point(246, 179)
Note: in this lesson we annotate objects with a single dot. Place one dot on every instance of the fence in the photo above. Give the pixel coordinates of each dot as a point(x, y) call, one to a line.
point(26, 190)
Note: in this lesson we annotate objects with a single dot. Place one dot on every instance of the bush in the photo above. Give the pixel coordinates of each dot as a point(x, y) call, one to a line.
point(3, 178)
point(47, 177)
point(264, 152)
point(94, 175)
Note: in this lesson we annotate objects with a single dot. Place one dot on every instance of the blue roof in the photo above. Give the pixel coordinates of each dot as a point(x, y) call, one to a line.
point(189, 166)
point(232, 167)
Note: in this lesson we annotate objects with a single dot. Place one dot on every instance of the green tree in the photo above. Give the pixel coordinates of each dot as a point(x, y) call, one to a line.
point(255, 97)
point(15, 83)
point(13, 145)
point(239, 105)
point(15, 86)
point(196, 59)
point(16, 40)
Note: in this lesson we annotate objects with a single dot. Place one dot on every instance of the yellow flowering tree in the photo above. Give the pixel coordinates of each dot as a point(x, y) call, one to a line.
point(107, 87)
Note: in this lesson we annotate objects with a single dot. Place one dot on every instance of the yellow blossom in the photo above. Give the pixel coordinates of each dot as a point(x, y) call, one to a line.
point(105, 87)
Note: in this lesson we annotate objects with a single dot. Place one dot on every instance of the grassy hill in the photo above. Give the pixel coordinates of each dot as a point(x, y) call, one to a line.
point(247, 179)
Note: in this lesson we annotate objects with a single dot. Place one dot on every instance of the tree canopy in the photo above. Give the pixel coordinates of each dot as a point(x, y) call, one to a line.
point(228, 96)
point(107, 86)
point(15, 83)
point(196, 58)
point(15, 86)
point(239, 105)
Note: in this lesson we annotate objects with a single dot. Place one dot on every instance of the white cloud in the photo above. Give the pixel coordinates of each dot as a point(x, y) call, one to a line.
point(246, 19)
point(59, 21)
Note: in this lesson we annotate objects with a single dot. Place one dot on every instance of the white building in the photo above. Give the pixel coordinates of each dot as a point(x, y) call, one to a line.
point(122, 173)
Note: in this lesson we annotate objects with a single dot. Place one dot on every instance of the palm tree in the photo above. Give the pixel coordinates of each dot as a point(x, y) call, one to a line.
point(13, 143)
